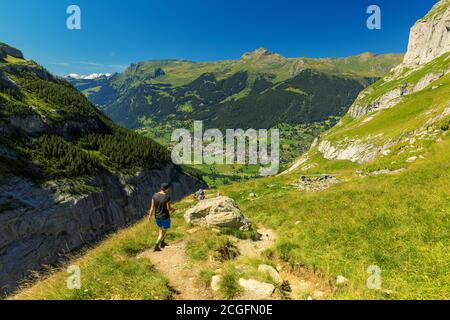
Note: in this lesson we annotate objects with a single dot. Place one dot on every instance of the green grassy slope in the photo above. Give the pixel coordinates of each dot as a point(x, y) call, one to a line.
point(397, 222)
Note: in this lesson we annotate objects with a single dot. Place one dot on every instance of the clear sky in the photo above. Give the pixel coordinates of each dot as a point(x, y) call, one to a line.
point(116, 33)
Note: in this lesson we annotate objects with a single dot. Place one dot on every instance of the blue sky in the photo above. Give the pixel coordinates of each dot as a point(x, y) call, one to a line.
point(116, 33)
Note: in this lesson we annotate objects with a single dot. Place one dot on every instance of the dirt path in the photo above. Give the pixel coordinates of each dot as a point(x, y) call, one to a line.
point(173, 263)
point(303, 282)
point(253, 249)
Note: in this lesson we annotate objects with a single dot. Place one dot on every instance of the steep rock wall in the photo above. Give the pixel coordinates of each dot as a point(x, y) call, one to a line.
point(38, 226)
point(430, 37)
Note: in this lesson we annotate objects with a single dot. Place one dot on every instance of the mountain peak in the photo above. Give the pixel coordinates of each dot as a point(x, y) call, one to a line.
point(260, 53)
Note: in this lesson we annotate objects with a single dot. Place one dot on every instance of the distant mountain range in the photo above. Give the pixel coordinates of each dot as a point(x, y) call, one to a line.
point(260, 90)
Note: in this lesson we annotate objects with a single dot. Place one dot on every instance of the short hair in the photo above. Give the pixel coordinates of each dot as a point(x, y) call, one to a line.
point(164, 186)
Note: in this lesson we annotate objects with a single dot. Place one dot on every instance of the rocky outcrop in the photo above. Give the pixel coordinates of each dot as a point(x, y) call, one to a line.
point(394, 96)
point(215, 283)
point(353, 150)
point(261, 54)
point(386, 101)
point(40, 225)
point(6, 50)
point(316, 183)
point(217, 212)
point(34, 125)
point(430, 36)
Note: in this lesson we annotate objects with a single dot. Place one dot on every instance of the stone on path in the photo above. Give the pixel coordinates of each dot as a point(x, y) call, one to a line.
point(272, 272)
point(256, 290)
point(215, 283)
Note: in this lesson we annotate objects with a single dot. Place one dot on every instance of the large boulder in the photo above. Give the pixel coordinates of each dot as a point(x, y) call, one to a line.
point(217, 212)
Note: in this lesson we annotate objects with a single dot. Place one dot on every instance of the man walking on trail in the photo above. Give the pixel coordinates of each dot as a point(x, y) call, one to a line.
point(161, 207)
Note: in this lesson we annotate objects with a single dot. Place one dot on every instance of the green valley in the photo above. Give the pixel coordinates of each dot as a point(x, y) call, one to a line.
point(302, 97)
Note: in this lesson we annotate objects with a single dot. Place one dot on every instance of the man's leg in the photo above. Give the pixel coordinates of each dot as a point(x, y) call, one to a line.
point(163, 242)
point(159, 240)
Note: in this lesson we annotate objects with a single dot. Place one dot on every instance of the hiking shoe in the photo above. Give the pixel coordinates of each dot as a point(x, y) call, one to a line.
point(157, 248)
point(163, 244)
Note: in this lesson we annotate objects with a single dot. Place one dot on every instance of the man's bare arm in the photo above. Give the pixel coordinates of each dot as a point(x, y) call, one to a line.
point(152, 210)
point(169, 206)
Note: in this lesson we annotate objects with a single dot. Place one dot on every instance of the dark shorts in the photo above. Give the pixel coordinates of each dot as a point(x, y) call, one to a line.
point(163, 223)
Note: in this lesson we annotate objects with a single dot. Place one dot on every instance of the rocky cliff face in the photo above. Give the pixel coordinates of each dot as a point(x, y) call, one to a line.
point(429, 40)
point(430, 36)
point(40, 225)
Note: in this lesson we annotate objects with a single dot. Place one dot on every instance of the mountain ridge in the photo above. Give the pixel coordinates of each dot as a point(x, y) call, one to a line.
point(259, 64)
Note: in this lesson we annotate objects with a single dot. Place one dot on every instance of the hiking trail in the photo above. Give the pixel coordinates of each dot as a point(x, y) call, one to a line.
point(173, 263)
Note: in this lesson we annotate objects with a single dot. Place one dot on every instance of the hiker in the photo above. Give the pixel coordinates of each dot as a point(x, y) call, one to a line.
point(161, 207)
point(202, 194)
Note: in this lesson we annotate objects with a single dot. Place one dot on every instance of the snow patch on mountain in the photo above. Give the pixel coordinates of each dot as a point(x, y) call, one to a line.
point(91, 76)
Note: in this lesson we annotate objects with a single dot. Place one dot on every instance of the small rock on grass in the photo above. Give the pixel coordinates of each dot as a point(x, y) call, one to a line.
point(215, 282)
point(341, 281)
point(272, 272)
